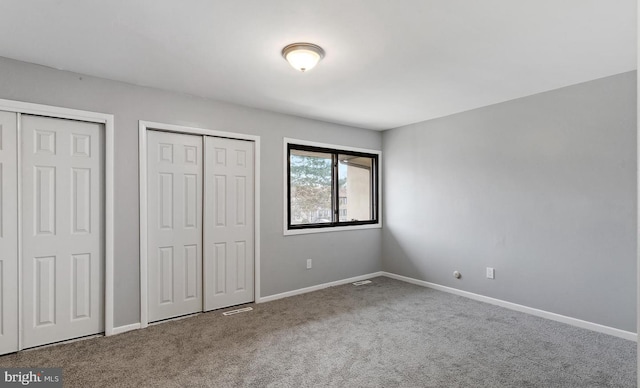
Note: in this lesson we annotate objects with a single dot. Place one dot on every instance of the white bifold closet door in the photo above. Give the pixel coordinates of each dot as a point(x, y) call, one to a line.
point(174, 222)
point(62, 229)
point(182, 236)
point(229, 222)
point(8, 233)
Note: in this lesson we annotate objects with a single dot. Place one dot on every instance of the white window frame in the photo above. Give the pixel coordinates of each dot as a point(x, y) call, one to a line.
point(285, 207)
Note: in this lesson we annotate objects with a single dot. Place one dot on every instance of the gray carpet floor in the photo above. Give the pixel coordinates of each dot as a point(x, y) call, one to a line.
point(385, 334)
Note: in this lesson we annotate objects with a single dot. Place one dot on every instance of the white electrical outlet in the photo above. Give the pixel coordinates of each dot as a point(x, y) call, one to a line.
point(491, 273)
point(308, 263)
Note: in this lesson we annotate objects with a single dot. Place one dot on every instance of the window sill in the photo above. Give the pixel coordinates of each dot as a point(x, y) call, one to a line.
point(294, 232)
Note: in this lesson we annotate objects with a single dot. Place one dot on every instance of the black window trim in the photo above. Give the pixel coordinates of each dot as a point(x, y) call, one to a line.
point(375, 188)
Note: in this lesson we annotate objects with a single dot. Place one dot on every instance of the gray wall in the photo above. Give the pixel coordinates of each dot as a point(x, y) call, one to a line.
point(541, 188)
point(283, 259)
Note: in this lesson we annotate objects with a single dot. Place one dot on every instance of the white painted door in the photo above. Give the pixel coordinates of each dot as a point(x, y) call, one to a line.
point(8, 233)
point(174, 222)
point(62, 229)
point(229, 218)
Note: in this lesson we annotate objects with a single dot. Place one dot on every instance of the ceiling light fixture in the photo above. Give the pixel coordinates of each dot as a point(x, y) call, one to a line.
point(303, 56)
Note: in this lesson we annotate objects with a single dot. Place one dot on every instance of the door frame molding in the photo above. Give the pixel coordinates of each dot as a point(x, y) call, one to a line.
point(107, 120)
point(143, 127)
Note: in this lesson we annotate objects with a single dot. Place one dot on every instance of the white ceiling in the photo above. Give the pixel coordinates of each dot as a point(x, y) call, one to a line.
point(388, 63)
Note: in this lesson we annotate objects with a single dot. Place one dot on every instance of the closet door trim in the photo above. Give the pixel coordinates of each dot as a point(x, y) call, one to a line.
point(143, 126)
point(107, 120)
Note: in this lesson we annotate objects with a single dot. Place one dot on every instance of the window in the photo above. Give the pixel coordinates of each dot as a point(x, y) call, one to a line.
point(329, 187)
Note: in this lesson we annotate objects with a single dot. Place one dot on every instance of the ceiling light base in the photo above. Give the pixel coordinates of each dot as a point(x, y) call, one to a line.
point(303, 56)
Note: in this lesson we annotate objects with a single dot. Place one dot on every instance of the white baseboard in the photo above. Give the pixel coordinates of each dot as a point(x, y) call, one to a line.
point(318, 287)
point(136, 326)
point(125, 328)
point(498, 302)
point(518, 307)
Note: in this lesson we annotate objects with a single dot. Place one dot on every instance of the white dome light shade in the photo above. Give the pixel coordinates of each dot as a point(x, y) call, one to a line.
point(303, 56)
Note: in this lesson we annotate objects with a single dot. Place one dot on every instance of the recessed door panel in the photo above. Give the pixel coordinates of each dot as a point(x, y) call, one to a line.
point(45, 291)
point(166, 275)
point(229, 222)
point(8, 233)
point(220, 196)
point(81, 282)
point(191, 259)
point(174, 249)
point(44, 194)
point(241, 265)
point(62, 229)
point(191, 200)
point(81, 200)
point(220, 268)
point(165, 200)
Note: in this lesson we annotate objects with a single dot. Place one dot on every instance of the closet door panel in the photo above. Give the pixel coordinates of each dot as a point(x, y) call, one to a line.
point(62, 229)
point(174, 222)
point(229, 222)
point(8, 233)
